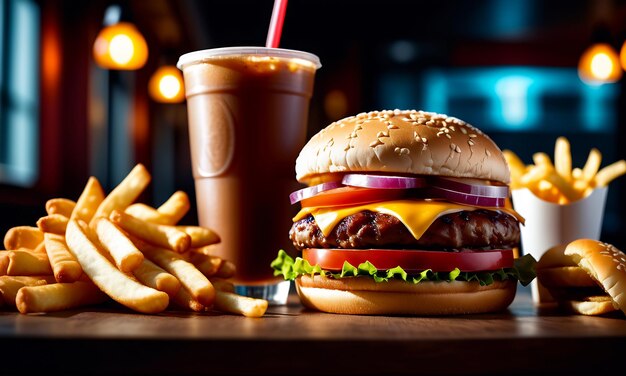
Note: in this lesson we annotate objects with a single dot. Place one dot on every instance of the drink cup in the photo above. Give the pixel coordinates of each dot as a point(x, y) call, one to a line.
point(549, 224)
point(247, 112)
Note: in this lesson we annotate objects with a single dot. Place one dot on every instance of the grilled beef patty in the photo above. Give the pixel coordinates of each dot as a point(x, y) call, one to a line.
point(478, 229)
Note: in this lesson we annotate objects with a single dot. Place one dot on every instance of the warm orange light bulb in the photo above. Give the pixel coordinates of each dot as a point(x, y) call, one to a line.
point(120, 46)
point(599, 64)
point(622, 55)
point(166, 85)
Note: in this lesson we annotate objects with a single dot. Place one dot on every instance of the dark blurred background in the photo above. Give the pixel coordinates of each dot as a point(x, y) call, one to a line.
point(508, 67)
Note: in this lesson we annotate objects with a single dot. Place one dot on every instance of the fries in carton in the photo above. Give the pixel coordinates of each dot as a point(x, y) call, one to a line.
point(549, 224)
point(560, 203)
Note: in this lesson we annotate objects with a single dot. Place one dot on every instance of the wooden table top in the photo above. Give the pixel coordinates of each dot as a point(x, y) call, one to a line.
point(292, 340)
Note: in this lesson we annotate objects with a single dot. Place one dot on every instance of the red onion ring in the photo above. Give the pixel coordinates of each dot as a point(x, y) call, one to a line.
point(383, 181)
point(458, 185)
point(460, 197)
point(307, 192)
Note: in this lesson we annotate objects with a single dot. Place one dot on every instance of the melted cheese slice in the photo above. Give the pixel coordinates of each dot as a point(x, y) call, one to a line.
point(416, 215)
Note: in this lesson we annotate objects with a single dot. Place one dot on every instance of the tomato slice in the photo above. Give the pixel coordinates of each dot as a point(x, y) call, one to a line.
point(411, 260)
point(352, 196)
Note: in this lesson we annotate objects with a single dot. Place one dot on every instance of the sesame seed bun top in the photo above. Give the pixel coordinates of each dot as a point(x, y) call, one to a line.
point(402, 142)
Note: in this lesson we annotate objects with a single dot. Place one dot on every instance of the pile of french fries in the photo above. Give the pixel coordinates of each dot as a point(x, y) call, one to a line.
point(101, 247)
point(559, 182)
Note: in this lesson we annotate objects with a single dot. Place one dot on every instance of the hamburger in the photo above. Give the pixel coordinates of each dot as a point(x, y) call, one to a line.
point(406, 212)
point(585, 276)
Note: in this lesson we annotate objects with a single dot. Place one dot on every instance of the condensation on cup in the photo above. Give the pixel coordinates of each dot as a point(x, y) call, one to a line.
point(247, 112)
point(548, 224)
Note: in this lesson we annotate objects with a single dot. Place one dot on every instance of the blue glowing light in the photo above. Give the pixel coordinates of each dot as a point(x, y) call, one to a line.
point(506, 98)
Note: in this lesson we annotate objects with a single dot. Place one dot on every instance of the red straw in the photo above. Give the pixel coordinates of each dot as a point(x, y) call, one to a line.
point(276, 24)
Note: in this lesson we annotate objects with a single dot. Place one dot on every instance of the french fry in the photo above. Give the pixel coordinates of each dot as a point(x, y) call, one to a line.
point(165, 236)
point(206, 264)
point(125, 193)
point(563, 186)
point(65, 267)
point(209, 264)
point(175, 207)
point(544, 170)
point(592, 165)
point(9, 286)
point(41, 248)
point(563, 158)
point(148, 214)
point(183, 299)
point(4, 262)
point(542, 159)
point(242, 305)
point(119, 286)
point(58, 297)
point(533, 176)
point(517, 167)
point(222, 285)
point(89, 201)
point(126, 256)
point(226, 270)
point(189, 276)
point(610, 172)
point(53, 223)
point(154, 276)
point(25, 262)
point(61, 206)
point(200, 236)
point(23, 237)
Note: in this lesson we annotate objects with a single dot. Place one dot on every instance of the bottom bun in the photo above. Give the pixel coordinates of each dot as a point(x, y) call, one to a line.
point(591, 306)
point(364, 296)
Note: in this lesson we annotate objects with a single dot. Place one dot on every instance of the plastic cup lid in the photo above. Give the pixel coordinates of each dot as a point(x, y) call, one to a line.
point(202, 55)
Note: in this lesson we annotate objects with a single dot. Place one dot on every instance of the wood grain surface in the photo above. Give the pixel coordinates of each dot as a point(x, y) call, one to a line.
point(292, 340)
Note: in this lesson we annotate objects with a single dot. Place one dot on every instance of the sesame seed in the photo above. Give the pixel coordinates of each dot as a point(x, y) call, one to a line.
point(346, 148)
point(424, 140)
point(457, 149)
point(448, 135)
point(404, 151)
point(472, 135)
point(439, 134)
point(488, 152)
point(463, 130)
point(470, 142)
point(392, 126)
point(452, 146)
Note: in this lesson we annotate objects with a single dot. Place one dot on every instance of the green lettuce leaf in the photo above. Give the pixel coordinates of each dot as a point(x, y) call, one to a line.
point(290, 268)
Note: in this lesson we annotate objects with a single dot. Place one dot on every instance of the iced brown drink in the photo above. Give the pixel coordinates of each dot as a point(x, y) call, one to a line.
point(247, 110)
